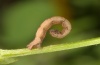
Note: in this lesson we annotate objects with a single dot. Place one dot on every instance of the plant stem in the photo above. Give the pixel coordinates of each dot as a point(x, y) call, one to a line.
point(5, 54)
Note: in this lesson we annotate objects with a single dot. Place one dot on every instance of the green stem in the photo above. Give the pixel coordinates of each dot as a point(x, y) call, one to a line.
point(5, 54)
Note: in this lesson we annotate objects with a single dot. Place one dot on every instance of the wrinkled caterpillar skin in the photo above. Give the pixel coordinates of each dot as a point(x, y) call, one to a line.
point(45, 26)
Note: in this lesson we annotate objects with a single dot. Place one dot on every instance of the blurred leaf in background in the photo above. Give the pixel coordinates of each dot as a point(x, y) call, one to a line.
point(21, 18)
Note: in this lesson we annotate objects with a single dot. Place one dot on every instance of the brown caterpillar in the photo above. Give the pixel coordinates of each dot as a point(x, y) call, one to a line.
point(41, 32)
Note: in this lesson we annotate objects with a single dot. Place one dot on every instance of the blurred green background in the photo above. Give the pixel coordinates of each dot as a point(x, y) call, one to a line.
point(20, 20)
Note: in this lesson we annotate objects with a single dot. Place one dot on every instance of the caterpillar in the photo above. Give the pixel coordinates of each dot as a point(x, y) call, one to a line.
point(45, 26)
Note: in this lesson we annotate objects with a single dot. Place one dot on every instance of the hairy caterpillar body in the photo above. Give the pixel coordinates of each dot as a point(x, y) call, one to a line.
point(45, 26)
